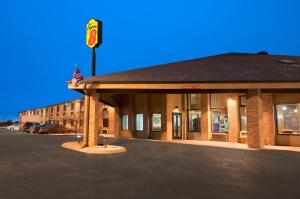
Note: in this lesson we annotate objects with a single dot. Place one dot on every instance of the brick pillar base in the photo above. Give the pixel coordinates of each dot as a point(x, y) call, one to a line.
point(205, 117)
point(94, 119)
point(254, 107)
point(268, 119)
point(233, 117)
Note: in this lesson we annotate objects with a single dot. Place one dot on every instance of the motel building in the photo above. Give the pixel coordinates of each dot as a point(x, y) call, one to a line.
point(68, 114)
point(240, 98)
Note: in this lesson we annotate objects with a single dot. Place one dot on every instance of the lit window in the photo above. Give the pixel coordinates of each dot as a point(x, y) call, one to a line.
point(139, 120)
point(243, 116)
point(219, 113)
point(124, 119)
point(194, 118)
point(288, 118)
point(194, 112)
point(156, 122)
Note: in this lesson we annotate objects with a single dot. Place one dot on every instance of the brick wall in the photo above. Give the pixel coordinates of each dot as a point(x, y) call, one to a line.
point(146, 104)
point(268, 119)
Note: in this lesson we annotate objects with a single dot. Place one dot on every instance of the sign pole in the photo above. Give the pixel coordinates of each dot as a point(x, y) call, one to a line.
point(94, 62)
point(93, 40)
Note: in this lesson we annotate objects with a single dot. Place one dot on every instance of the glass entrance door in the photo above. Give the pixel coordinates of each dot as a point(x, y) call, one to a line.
point(176, 124)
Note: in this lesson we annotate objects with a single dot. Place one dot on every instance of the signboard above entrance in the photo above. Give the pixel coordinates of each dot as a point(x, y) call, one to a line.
point(94, 33)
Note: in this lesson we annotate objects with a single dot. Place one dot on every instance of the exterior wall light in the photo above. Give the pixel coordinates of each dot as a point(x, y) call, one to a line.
point(296, 110)
point(176, 109)
point(230, 102)
point(284, 108)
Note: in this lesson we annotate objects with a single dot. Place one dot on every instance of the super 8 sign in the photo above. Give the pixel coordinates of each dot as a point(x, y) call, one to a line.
point(93, 33)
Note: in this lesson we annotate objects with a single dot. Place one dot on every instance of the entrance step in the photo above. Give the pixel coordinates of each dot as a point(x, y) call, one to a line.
point(221, 137)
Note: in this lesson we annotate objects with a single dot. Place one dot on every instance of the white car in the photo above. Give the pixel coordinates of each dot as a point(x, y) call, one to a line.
point(14, 127)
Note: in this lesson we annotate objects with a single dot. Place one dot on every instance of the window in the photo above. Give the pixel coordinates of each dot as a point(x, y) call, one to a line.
point(105, 122)
point(139, 120)
point(124, 119)
point(156, 122)
point(218, 105)
point(194, 119)
point(65, 106)
point(194, 112)
point(243, 116)
point(105, 118)
point(72, 122)
point(57, 109)
point(64, 122)
point(72, 106)
point(288, 118)
point(81, 105)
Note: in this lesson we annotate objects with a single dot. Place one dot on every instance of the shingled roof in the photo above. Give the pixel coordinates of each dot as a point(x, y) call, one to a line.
point(231, 67)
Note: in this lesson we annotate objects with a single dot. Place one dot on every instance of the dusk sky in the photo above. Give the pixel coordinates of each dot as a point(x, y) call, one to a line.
point(41, 41)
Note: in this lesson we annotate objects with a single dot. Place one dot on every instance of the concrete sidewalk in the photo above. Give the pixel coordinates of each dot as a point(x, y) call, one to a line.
point(232, 145)
point(228, 145)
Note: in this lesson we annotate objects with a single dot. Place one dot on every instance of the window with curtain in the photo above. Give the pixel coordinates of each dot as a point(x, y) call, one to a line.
point(139, 122)
point(124, 119)
point(218, 103)
point(243, 116)
point(156, 122)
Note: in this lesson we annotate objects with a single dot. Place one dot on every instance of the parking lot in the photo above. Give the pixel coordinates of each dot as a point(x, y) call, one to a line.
point(35, 166)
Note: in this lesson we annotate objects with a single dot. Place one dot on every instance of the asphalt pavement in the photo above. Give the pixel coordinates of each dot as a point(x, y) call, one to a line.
point(35, 166)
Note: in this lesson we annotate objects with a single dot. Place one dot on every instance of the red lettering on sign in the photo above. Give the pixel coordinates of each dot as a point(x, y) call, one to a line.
point(193, 86)
point(92, 38)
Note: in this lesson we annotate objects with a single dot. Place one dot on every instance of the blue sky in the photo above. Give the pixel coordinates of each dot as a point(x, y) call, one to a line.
point(41, 41)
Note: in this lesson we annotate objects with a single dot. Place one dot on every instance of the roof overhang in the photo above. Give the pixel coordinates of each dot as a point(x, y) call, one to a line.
point(184, 87)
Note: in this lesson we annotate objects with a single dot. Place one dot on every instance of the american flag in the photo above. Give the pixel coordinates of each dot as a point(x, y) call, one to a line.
point(77, 76)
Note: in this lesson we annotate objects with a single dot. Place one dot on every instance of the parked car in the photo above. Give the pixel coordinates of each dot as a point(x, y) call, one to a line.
point(27, 125)
point(50, 128)
point(14, 127)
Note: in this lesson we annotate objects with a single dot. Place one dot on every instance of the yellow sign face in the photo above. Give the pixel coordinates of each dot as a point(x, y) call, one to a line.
point(92, 33)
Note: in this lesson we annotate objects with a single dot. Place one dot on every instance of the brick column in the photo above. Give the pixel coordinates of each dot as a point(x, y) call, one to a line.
point(254, 107)
point(233, 117)
point(205, 118)
point(147, 116)
point(94, 119)
point(184, 116)
point(268, 119)
point(86, 119)
point(117, 122)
